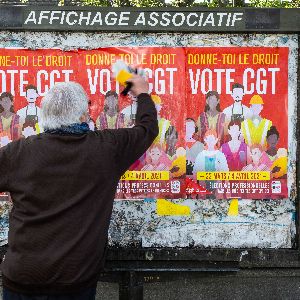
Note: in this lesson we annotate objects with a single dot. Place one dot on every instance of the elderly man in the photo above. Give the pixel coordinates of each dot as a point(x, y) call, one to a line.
point(62, 184)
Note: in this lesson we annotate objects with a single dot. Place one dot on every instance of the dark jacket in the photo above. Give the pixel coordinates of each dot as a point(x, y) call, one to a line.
point(63, 189)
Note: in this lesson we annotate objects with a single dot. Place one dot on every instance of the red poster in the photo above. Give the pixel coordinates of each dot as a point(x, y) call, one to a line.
point(222, 114)
point(237, 98)
point(27, 75)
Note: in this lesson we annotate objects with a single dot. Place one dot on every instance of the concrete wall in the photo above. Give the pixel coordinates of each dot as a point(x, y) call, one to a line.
point(260, 223)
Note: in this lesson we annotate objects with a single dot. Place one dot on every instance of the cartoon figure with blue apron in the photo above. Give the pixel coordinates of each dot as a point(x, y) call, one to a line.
point(30, 115)
point(237, 111)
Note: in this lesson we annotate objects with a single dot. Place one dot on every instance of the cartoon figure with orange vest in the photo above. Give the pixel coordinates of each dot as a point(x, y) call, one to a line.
point(255, 130)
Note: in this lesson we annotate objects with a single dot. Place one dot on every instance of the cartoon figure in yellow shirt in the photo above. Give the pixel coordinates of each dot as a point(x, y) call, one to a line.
point(163, 124)
point(255, 130)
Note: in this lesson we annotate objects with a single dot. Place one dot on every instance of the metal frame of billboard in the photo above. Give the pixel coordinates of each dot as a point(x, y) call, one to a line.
point(132, 267)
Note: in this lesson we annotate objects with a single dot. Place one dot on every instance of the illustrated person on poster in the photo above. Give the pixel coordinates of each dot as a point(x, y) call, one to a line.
point(90, 121)
point(237, 111)
point(279, 166)
point(129, 112)
point(171, 138)
point(31, 113)
point(272, 142)
point(193, 146)
point(178, 167)
point(237, 152)
point(4, 139)
point(256, 153)
point(277, 157)
point(255, 128)
point(110, 118)
point(210, 159)
point(212, 117)
point(156, 159)
point(163, 124)
point(10, 126)
point(28, 129)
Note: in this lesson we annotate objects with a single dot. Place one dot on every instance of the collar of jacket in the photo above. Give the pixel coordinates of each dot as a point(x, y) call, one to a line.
point(77, 128)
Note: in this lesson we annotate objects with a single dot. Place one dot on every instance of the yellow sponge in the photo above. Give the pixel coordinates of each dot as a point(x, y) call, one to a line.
point(123, 76)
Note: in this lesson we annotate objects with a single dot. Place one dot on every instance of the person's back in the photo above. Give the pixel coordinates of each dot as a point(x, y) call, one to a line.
point(62, 183)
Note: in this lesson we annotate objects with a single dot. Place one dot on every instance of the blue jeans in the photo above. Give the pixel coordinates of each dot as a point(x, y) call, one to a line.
point(87, 294)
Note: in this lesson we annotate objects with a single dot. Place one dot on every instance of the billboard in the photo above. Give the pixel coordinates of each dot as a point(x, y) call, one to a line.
point(222, 114)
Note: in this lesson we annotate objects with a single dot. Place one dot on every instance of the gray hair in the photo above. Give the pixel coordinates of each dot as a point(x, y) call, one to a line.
point(63, 105)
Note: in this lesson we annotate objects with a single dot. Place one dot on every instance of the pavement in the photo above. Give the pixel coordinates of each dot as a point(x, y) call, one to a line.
point(250, 286)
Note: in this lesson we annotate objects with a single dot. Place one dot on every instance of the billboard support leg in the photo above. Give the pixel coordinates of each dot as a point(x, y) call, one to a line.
point(130, 288)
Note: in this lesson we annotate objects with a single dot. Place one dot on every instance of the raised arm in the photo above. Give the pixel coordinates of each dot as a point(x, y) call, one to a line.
point(133, 142)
